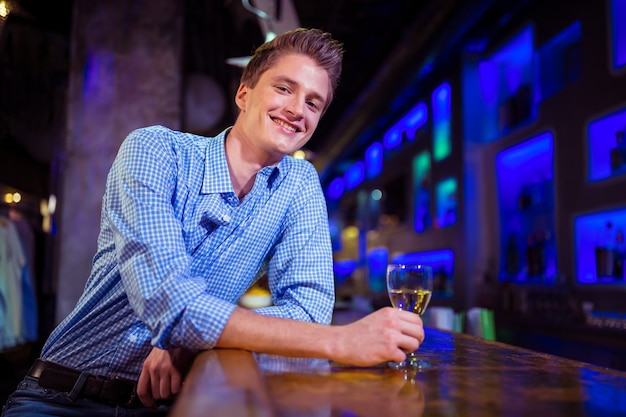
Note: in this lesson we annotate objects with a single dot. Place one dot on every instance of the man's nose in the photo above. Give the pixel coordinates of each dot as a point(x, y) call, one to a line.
point(296, 105)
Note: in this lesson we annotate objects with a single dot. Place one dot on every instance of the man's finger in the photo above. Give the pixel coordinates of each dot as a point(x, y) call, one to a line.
point(143, 390)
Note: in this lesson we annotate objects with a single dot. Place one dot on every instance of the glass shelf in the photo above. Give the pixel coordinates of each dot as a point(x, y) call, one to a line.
point(504, 83)
point(600, 248)
point(606, 150)
point(526, 205)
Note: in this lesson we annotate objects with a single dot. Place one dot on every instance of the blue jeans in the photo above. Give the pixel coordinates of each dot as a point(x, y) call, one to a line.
point(29, 399)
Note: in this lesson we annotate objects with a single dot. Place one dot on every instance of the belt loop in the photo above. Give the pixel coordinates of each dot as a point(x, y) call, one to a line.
point(78, 386)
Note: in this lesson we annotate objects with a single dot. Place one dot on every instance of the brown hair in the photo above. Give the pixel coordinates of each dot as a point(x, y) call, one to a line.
point(314, 43)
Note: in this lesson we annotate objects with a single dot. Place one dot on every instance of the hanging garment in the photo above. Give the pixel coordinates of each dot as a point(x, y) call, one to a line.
point(30, 315)
point(12, 263)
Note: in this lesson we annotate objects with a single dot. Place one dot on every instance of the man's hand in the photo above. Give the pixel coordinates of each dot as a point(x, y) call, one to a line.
point(384, 335)
point(162, 375)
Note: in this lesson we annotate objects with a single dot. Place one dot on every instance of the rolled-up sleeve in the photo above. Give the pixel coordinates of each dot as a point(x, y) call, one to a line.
point(300, 269)
point(153, 260)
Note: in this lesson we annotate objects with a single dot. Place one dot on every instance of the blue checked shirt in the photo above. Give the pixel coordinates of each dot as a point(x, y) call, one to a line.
point(177, 249)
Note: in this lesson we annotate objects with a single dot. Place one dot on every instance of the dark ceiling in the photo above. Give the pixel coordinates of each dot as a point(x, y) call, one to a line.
point(391, 46)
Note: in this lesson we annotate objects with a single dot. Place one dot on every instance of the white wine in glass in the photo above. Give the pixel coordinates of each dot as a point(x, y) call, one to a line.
point(410, 287)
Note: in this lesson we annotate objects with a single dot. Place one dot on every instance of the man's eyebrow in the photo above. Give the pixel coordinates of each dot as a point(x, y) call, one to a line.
point(285, 79)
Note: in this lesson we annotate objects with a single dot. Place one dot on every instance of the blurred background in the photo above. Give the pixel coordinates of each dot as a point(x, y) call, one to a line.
point(484, 137)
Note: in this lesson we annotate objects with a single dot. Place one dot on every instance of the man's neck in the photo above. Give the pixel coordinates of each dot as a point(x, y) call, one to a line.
point(243, 164)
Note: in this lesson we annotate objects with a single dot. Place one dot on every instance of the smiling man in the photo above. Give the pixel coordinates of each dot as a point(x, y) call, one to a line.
point(189, 223)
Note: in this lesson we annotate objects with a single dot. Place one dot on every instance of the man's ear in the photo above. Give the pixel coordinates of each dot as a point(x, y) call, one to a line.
point(241, 97)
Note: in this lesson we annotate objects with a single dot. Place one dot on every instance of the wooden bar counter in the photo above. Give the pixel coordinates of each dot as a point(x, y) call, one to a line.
point(467, 377)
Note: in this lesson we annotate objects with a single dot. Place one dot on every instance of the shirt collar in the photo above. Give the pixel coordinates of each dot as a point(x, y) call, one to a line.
point(216, 176)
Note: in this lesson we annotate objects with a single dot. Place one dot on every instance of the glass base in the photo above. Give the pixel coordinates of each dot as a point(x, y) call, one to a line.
point(412, 362)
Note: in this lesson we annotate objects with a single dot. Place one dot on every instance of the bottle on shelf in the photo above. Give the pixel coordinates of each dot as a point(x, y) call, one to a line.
point(618, 154)
point(512, 262)
point(440, 279)
point(540, 254)
point(535, 255)
point(619, 254)
point(549, 259)
point(524, 198)
point(604, 253)
point(532, 264)
point(536, 190)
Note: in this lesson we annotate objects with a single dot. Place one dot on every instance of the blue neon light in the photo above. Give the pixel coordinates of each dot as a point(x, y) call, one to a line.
point(392, 138)
point(413, 120)
point(355, 175)
point(442, 262)
point(446, 194)
point(344, 269)
point(500, 78)
point(435, 257)
point(517, 165)
point(488, 76)
point(515, 60)
point(407, 126)
point(336, 188)
point(427, 67)
point(417, 116)
point(601, 140)
point(618, 32)
point(442, 122)
point(527, 153)
point(559, 61)
point(377, 260)
point(422, 217)
point(374, 160)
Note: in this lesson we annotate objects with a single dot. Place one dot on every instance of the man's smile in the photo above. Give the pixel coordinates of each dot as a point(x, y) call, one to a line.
point(286, 125)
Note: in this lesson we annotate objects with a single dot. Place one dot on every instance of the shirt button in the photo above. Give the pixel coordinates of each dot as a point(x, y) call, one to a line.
point(225, 218)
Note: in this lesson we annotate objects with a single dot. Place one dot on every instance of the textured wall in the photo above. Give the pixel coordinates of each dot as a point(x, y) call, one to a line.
point(125, 73)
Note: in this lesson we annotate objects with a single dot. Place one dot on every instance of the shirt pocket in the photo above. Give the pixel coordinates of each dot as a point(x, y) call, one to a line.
point(207, 218)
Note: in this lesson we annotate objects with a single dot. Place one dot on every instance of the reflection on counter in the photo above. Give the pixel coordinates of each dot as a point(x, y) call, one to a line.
point(302, 388)
point(468, 377)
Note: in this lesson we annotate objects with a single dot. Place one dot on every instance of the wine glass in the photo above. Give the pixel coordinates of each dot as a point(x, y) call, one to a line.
point(410, 287)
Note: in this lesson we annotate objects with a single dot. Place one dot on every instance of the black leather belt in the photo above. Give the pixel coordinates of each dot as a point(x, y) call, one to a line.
point(115, 391)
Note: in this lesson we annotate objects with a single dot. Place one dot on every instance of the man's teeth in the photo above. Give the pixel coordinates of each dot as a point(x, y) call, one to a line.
point(285, 125)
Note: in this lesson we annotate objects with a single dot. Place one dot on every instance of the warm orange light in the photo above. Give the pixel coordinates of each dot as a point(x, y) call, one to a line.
point(4, 9)
point(350, 232)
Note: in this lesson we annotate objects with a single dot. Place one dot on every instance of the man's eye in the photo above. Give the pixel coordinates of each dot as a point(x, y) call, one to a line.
point(282, 88)
point(312, 104)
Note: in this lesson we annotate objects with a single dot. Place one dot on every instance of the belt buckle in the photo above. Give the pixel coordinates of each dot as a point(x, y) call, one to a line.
point(131, 403)
point(117, 391)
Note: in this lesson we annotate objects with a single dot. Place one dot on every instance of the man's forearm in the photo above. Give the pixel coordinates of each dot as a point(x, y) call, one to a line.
point(260, 333)
point(384, 335)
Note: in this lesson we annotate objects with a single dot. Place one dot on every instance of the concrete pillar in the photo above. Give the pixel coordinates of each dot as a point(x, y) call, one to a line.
point(125, 73)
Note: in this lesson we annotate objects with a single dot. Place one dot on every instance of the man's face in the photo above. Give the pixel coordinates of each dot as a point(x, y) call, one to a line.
point(279, 115)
